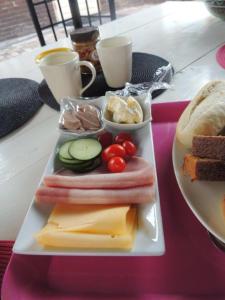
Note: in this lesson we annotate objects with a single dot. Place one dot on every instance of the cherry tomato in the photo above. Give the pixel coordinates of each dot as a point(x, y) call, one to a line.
point(113, 150)
point(130, 148)
point(105, 139)
point(122, 137)
point(116, 164)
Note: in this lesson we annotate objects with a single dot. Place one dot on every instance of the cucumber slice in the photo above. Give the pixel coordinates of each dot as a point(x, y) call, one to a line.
point(78, 167)
point(85, 149)
point(96, 162)
point(72, 161)
point(64, 150)
point(85, 167)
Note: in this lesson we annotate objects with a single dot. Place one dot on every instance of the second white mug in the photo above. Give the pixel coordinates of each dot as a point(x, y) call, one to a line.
point(61, 71)
point(115, 55)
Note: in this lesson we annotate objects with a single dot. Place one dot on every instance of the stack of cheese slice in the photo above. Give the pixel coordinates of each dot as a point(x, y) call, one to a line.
point(90, 226)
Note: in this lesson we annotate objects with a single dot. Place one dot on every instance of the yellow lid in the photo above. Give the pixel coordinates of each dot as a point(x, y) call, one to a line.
point(41, 55)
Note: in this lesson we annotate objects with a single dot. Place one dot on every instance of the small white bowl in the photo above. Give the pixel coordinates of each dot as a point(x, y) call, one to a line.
point(69, 103)
point(144, 101)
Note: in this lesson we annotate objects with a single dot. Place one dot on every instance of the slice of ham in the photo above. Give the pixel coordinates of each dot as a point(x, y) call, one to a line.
point(138, 172)
point(95, 196)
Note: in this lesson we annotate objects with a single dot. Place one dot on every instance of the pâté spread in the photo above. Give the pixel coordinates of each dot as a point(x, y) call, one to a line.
point(84, 42)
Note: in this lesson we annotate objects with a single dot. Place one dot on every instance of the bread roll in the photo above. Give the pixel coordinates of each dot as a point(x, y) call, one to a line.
point(205, 114)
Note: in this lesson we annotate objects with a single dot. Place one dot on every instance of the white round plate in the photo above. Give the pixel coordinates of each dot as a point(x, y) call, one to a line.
point(203, 197)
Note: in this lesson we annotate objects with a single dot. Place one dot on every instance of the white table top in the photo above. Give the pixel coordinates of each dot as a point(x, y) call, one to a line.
point(184, 33)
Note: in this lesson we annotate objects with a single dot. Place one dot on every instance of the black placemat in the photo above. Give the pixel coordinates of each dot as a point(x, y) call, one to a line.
point(143, 69)
point(19, 101)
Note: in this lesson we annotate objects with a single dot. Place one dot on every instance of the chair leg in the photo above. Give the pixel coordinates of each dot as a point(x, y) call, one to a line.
point(36, 22)
point(112, 9)
point(75, 12)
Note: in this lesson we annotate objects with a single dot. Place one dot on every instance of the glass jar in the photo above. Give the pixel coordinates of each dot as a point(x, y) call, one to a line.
point(84, 42)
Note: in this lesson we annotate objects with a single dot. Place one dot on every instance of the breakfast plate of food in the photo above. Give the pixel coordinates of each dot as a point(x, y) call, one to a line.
point(199, 157)
point(99, 192)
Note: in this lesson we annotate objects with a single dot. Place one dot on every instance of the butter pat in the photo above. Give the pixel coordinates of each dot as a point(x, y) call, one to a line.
point(92, 227)
point(125, 111)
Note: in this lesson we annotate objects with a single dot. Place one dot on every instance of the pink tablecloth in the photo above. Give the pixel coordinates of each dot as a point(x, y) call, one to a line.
point(192, 267)
point(5, 254)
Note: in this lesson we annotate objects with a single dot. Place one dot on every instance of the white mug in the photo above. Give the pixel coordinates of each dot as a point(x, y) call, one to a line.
point(115, 55)
point(61, 70)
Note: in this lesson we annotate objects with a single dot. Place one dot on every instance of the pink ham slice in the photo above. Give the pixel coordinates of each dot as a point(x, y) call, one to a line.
point(138, 172)
point(95, 196)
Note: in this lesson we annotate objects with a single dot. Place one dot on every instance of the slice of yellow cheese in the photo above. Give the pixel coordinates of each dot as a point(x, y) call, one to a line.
point(90, 218)
point(95, 226)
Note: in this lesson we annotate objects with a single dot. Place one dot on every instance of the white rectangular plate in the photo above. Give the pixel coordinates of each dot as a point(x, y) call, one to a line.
point(149, 239)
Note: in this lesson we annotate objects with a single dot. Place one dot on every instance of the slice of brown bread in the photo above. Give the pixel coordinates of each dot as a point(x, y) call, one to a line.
point(223, 205)
point(203, 168)
point(209, 146)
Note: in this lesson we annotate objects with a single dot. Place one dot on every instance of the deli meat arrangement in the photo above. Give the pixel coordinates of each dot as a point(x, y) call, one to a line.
point(135, 185)
point(96, 196)
point(137, 173)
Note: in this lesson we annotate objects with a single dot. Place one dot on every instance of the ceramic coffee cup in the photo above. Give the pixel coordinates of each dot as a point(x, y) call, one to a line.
point(61, 70)
point(115, 55)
